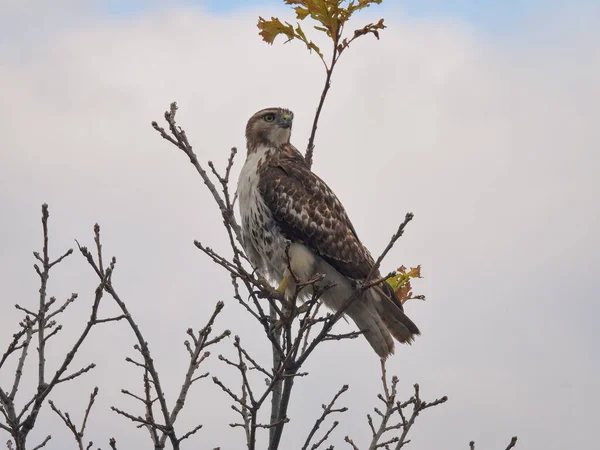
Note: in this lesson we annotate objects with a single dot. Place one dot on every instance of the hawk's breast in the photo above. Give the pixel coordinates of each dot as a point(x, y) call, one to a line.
point(263, 241)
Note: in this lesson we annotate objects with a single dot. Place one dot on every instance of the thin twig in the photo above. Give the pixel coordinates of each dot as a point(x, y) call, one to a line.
point(351, 442)
point(44, 442)
point(311, 140)
point(180, 140)
point(327, 410)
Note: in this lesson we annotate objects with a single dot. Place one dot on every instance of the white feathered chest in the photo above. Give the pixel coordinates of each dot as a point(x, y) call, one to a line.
point(263, 241)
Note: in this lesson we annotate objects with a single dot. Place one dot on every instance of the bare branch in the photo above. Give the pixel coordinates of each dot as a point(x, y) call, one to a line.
point(230, 393)
point(26, 325)
point(22, 423)
point(105, 278)
point(140, 420)
point(59, 259)
point(76, 374)
point(352, 444)
point(201, 343)
point(190, 433)
point(397, 235)
point(111, 319)
point(339, 337)
point(44, 442)
point(25, 310)
point(77, 434)
point(129, 360)
point(329, 69)
point(512, 443)
point(180, 140)
point(19, 371)
point(88, 409)
point(70, 300)
point(327, 410)
point(126, 392)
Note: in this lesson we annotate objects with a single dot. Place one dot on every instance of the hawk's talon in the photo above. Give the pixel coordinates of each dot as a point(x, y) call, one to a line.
point(266, 286)
point(264, 283)
point(278, 293)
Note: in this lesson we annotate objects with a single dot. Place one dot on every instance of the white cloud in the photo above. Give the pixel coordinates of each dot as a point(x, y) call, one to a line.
point(491, 142)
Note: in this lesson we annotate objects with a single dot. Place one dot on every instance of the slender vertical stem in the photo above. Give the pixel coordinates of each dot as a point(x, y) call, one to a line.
point(285, 400)
point(42, 305)
point(311, 140)
point(277, 388)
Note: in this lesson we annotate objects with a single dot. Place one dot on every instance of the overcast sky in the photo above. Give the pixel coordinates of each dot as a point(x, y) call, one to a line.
point(482, 121)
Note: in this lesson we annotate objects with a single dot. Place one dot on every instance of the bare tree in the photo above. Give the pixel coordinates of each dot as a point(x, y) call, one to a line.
point(41, 325)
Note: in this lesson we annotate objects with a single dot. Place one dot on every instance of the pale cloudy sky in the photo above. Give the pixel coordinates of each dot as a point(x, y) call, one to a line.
point(483, 121)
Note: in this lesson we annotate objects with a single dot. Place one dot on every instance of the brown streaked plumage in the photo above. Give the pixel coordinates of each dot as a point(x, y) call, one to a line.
point(282, 201)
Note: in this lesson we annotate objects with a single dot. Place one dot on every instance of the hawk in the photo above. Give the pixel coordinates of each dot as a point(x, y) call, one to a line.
point(288, 211)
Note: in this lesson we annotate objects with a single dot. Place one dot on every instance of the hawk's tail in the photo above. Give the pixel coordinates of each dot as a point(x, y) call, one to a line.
point(366, 316)
point(379, 315)
point(392, 314)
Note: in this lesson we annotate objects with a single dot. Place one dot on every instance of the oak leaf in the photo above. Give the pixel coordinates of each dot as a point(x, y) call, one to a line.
point(401, 283)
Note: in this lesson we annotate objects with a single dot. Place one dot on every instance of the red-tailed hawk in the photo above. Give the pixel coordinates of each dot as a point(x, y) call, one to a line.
point(282, 202)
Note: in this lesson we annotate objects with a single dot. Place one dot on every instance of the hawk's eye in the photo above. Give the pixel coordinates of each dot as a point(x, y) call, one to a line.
point(270, 117)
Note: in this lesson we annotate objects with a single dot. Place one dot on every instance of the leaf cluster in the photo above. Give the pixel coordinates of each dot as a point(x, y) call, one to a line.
point(401, 284)
point(332, 16)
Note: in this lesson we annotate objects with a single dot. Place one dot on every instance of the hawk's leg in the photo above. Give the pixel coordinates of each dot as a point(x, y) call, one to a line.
point(284, 283)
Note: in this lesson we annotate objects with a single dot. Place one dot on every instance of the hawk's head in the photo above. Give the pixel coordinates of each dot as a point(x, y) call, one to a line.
point(271, 127)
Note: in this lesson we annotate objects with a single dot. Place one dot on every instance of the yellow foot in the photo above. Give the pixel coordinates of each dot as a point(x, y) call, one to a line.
point(284, 284)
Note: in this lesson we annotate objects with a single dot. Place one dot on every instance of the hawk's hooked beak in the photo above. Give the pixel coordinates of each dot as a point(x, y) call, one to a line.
point(285, 121)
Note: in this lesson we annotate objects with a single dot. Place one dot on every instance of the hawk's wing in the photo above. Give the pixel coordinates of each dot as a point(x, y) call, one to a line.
point(307, 211)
